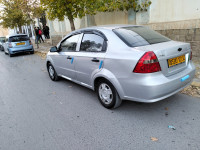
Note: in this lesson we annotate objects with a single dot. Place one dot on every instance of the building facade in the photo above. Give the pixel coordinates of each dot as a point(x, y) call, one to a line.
point(3, 32)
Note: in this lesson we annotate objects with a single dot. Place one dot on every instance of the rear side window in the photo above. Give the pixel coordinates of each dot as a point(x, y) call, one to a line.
point(92, 43)
point(139, 36)
point(19, 38)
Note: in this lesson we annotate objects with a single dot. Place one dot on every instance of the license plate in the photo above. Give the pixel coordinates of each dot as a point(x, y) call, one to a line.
point(176, 61)
point(21, 43)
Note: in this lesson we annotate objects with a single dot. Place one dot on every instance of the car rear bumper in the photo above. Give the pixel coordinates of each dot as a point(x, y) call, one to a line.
point(21, 49)
point(155, 87)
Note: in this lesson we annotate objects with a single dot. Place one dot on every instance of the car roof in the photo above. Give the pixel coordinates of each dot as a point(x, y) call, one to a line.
point(11, 35)
point(112, 26)
point(108, 27)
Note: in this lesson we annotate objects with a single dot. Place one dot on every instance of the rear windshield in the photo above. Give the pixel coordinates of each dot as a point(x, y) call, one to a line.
point(18, 38)
point(139, 36)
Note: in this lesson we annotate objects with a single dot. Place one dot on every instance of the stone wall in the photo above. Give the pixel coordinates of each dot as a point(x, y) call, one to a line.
point(191, 36)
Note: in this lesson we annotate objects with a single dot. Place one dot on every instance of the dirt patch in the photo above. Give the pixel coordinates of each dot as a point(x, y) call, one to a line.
point(194, 88)
point(192, 91)
point(43, 55)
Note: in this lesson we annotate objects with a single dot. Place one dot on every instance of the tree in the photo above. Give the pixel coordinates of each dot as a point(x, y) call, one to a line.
point(70, 8)
point(78, 8)
point(124, 5)
point(17, 13)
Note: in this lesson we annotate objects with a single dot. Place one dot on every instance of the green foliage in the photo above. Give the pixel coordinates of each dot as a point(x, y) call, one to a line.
point(79, 8)
point(17, 13)
point(69, 8)
point(124, 5)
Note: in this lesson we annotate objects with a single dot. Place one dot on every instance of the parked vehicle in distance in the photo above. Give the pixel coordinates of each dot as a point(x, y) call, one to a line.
point(18, 43)
point(122, 62)
point(2, 40)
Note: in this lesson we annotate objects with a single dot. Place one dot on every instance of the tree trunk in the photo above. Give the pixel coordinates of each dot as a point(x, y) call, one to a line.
point(20, 29)
point(71, 20)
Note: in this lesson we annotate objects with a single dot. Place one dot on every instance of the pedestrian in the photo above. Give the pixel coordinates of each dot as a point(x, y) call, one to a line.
point(44, 32)
point(47, 31)
point(36, 35)
point(40, 35)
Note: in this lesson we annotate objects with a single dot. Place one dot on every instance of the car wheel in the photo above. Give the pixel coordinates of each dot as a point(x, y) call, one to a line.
point(52, 72)
point(108, 95)
point(1, 47)
point(11, 55)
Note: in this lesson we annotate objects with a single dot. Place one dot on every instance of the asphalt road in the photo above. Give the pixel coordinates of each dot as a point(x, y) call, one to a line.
point(39, 114)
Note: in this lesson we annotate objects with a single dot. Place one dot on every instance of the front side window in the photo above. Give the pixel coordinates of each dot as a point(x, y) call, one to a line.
point(19, 38)
point(70, 43)
point(92, 43)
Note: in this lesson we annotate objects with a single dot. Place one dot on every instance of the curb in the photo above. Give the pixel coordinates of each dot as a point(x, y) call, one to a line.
point(196, 83)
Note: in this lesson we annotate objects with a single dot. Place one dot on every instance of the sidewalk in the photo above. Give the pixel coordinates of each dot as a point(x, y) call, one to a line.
point(192, 90)
point(43, 48)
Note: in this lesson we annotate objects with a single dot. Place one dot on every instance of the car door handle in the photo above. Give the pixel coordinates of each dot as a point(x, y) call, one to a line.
point(95, 60)
point(69, 57)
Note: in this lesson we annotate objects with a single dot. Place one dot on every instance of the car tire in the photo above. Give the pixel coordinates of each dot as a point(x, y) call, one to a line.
point(52, 72)
point(11, 55)
point(108, 95)
point(2, 49)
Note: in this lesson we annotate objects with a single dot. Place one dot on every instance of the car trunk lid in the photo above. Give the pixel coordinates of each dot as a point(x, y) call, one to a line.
point(19, 41)
point(20, 44)
point(173, 56)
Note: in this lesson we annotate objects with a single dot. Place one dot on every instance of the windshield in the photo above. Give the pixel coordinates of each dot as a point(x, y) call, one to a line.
point(139, 36)
point(18, 38)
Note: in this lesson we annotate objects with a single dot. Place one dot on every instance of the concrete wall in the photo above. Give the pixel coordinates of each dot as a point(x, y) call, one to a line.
point(111, 18)
point(174, 10)
point(3, 31)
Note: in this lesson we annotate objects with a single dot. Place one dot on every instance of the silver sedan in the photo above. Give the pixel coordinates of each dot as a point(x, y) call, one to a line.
point(122, 62)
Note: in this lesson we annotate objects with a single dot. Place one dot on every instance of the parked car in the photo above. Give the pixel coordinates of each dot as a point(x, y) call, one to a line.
point(18, 43)
point(2, 40)
point(122, 62)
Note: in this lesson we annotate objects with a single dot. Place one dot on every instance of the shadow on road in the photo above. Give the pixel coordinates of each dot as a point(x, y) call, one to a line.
point(178, 102)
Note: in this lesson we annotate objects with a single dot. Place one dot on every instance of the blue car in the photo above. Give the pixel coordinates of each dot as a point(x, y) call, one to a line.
point(18, 43)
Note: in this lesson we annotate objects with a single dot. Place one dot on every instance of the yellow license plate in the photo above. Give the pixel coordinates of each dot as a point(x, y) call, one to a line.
point(176, 61)
point(21, 43)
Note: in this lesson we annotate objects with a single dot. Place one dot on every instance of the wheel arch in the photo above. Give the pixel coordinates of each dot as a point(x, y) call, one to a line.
point(108, 76)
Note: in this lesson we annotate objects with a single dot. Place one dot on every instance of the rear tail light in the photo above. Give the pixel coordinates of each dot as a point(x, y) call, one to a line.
point(30, 42)
point(10, 45)
point(148, 63)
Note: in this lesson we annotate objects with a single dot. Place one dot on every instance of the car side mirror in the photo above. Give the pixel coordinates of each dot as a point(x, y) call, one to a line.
point(53, 49)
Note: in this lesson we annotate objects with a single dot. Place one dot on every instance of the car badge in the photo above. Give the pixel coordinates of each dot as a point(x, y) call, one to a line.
point(180, 49)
